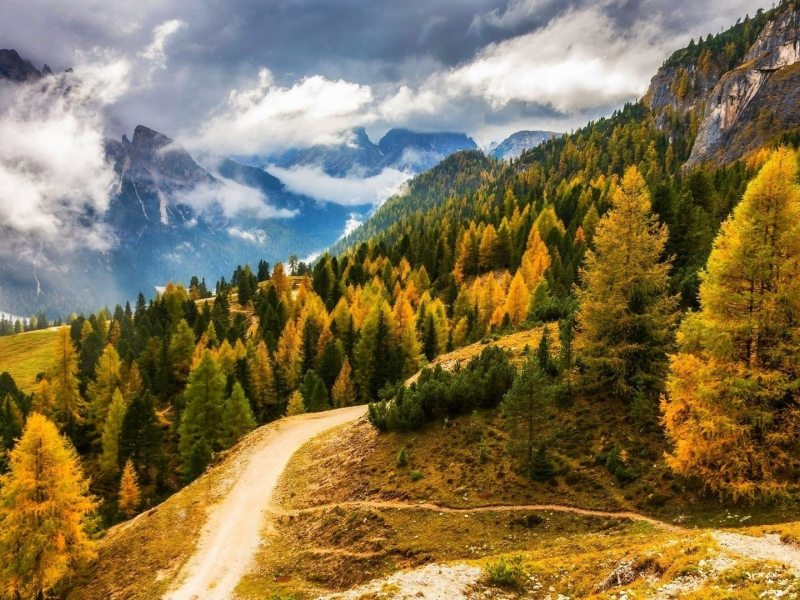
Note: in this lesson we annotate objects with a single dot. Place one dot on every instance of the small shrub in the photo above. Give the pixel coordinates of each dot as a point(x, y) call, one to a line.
point(507, 572)
point(402, 458)
point(416, 475)
point(483, 452)
point(572, 478)
point(542, 468)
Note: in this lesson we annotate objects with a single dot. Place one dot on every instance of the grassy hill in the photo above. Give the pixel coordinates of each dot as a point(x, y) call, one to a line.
point(25, 355)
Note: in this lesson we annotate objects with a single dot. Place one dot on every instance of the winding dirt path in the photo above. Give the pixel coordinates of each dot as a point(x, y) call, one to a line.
point(232, 533)
point(485, 509)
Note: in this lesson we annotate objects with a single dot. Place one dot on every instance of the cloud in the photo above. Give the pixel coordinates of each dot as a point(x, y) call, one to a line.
point(353, 222)
point(266, 117)
point(254, 236)
point(230, 199)
point(348, 191)
point(510, 17)
point(155, 52)
point(54, 178)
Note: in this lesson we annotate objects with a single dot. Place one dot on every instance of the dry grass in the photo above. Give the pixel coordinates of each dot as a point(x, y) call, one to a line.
point(25, 355)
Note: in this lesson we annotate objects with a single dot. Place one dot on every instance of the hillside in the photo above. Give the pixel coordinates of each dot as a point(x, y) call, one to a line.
point(25, 355)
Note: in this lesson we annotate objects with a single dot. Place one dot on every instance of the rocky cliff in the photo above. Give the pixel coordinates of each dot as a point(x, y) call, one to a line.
point(730, 95)
point(755, 101)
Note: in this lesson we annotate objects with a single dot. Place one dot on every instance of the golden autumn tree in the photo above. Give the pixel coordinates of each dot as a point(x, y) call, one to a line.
point(265, 395)
point(516, 306)
point(129, 494)
point(535, 261)
point(64, 382)
point(108, 378)
point(343, 392)
point(44, 504)
point(732, 407)
point(626, 314)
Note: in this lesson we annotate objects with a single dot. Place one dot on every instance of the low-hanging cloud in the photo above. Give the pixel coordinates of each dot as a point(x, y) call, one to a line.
point(155, 52)
point(54, 178)
point(231, 199)
point(348, 191)
point(268, 118)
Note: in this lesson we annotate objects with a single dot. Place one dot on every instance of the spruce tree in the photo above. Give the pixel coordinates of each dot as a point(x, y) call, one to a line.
point(204, 399)
point(141, 432)
point(626, 313)
point(315, 395)
point(731, 409)
point(44, 509)
point(237, 418)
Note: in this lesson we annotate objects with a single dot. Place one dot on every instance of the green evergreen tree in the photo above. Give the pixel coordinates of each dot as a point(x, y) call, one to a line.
point(204, 398)
point(237, 418)
point(315, 395)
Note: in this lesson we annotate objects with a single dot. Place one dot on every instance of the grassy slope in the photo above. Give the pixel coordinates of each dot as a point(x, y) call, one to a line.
point(25, 355)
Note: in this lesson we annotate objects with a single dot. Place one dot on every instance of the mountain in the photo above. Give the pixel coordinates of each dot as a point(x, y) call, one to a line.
point(399, 149)
point(735, 92)
point(518, 142)
point(170, 218)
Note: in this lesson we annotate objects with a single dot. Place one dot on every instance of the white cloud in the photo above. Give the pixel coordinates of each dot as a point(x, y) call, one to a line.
point(232, 199)
point(347, 191)
point(353, 223)
point(254, 236)
point(268, 118)
point(54, 179)
point(155, 52)
point(579, 61)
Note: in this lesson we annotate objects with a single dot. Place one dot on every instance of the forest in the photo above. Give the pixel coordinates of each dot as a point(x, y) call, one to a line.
point(672, 293)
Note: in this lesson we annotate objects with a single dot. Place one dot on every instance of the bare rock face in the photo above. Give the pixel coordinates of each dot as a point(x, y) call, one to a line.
point(755, 100)
point(18, 69)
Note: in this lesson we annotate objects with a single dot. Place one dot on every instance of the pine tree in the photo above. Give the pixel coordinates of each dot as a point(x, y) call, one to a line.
point(237, 418)
point(44, 505)
point(108, 379)
point(526, 406)
point(626, 314)
point(197, 459)
point(731, 409)
point(344, 390)
point(64, 382)
point(129, 494)
point(112, 433)
point(204, 398)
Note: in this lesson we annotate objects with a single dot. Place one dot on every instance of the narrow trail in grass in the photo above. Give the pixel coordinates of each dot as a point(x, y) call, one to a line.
point(232, 533)
point(392, 505)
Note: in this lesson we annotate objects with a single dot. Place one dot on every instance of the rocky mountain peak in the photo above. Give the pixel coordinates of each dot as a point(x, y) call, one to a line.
point(16, 68)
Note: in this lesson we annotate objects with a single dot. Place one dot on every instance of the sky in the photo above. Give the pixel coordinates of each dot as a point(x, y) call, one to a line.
point(257, 77)
point(260, 76)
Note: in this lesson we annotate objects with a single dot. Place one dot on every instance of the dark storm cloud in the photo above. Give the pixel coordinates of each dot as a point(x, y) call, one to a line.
point(444, 51)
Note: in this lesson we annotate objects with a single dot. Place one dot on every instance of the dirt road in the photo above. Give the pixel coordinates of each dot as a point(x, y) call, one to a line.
point(232, 533)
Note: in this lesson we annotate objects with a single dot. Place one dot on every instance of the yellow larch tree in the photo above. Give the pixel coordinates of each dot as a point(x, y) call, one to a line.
point(535, 261)
point(626, 313)
point(732, 409)
point(129, 494)
point(516, 306)
point(288, 357)
point(343, 392)
point(44, 509)
point(108, 377)
point(69, 405)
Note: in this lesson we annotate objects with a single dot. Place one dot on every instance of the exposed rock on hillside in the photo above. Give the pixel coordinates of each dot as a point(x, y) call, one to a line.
point(756, 100)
